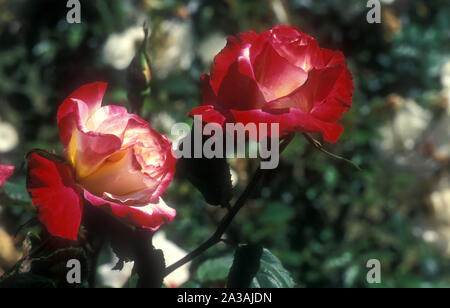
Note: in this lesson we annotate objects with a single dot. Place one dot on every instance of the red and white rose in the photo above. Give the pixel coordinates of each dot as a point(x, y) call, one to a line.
point(115, 160)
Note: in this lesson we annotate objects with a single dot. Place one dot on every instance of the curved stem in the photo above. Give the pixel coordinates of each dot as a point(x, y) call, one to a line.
point(226, 221)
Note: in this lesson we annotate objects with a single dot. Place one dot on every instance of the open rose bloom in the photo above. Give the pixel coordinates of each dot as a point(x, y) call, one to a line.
point(278, 76)
point(115, 160)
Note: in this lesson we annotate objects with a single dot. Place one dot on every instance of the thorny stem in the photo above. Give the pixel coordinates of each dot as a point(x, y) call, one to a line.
point(228, 218)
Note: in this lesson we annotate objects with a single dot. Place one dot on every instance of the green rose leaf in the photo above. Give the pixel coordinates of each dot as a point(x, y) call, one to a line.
point(214, 270)
point(257, 267)
point(271, 273)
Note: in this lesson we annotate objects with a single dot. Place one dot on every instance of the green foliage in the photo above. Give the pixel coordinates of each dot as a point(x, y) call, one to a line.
point(271, 273)
point(214, 270)
point(16, 191)
point(46, 271)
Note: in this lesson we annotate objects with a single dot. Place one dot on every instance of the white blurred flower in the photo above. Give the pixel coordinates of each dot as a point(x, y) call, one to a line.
point(210, 47)
point(445, 75)
point(120, 48)
point(445, 80)
point(440, 201)
point(8, 252)
point(436, 228)
point(163, 122)
point(172, 253)
point(114, 278)
point(174, 49)
point(234, 178)
point(280, 12)
point(430, 236)
point(408, 124)
point(440, 135)
point(9, 137)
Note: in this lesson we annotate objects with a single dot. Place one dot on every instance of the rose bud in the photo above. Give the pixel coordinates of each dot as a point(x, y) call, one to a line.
point(139, 76)
point(115, 160)
point(278, 76)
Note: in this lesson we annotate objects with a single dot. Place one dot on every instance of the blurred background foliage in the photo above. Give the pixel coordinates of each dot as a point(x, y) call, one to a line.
point(321, 217)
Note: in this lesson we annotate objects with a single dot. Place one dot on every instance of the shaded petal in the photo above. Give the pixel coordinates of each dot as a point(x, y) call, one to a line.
point(208, 95)
point(151, 216)
point(54, 194)
point(338, 101)
point(222, 62)
point(228, 56)
point(239, 91)
point(209, 114)
point(328, 58)
point(5, 173)
point(291, 119)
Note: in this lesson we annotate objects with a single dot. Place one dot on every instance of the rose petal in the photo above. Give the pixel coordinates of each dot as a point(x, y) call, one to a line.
point(5, 173)
point(338, 101)
point(295, 46)
point(222, 62)
point(119, 174)
point(228, 56)
point(54, 194)
point(87, 149)
point(208, 95)
point(327, 58)
point(239, 91)
point(209, 114)
point(151, 216)
point(291, 119)
point(276, 73)
point(91, 95)
point(319, 86)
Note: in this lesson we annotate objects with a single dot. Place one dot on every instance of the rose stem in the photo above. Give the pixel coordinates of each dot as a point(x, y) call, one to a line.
point(228, 218)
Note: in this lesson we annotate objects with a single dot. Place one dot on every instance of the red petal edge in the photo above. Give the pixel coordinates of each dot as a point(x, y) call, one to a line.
point(54, 194)
point(151, 216)
point(5, 173)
